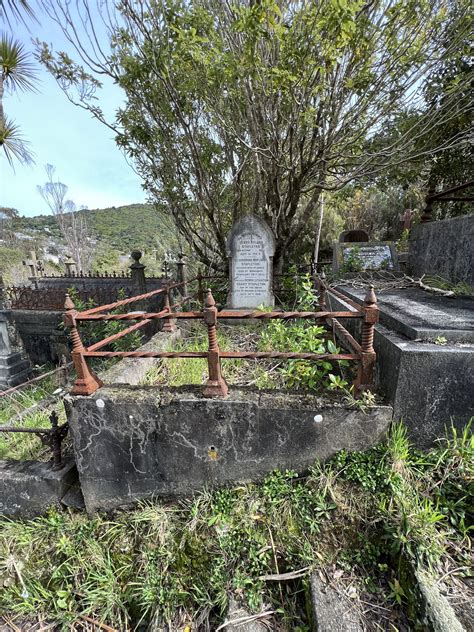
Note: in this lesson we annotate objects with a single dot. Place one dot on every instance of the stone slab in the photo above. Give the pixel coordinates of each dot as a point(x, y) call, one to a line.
point(28, 488)
point(331, 611)
point(132, 370)
point(444, 248)
point(139, 442)
point(429, 386)
point(419, 315)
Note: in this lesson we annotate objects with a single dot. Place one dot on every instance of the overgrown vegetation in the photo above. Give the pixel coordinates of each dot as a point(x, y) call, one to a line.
point(363, 515)
point(23, 409)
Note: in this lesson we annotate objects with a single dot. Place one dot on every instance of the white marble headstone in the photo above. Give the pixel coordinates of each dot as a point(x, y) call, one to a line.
point(5, 347)
point(250, 248)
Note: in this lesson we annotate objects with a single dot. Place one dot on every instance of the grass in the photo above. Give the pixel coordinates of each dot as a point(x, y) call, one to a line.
point(359, 515)
point(27, 445)
point(262, 374)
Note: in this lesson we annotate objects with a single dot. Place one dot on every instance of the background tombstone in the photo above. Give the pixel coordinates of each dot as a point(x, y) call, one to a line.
point(365, 256)
point(350, 236)
point(250, 248)
point(14, 369)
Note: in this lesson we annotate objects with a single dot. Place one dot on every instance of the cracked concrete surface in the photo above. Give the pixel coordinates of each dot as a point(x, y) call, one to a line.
point(138, 442)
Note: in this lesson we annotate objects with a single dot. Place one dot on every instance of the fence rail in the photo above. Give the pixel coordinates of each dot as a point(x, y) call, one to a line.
point(52, 299)
point(51, 437)
point(87, 381)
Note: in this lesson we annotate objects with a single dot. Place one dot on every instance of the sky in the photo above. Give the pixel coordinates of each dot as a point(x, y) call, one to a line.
point(82, 149)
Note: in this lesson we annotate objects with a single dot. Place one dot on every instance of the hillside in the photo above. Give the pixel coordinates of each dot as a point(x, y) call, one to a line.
point(114, 232)
point(122, 228)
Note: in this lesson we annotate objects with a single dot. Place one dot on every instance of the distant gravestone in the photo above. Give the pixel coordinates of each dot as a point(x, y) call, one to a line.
point(353, 236)
point(364, 256)
point(250, 248)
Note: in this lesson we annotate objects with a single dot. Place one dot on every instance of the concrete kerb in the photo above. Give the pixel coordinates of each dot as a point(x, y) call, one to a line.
point(29, 488)
point(168, 442)
point(428, 385)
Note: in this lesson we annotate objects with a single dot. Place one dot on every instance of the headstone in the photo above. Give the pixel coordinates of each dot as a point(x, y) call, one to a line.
point(353, 236)
point(14, 369)
point(250, 248)
point(364, 256)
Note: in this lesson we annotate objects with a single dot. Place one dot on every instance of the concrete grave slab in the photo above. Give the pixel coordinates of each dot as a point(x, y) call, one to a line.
point(430, 386)
point(28, 488)
point(140, 442)
point(419, 315)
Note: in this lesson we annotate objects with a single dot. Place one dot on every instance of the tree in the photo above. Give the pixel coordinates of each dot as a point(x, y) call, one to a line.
point(72, 223)
point(7, 223)
point(245, 106)
point(16, 73)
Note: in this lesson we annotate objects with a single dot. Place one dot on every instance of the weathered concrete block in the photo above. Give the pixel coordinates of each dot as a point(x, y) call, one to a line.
point(332, 613)
point(28, 488)
point(133, 443)
point(429, 385)
point(444, 248)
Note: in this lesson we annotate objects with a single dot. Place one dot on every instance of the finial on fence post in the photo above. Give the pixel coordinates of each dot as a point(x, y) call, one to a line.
point(322, 291)
point(87, 381)
point(364, 379)
point(216, 385)
point(169, 324)
point(137, 272)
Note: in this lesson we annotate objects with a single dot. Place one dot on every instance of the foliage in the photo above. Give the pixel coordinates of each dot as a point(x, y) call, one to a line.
point(364, 512)
point(17, 74)
point(92, 332)
point(123, 228)
point(301, 337)
point(262, 105)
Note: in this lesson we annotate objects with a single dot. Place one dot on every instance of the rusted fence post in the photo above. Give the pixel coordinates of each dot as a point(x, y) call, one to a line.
point(216, 385)
point(370, 311)
point(87, 381)
point(169, 324)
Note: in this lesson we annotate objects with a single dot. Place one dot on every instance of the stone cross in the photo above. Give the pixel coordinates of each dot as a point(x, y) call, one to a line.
point(34, 264)
point(250, 248)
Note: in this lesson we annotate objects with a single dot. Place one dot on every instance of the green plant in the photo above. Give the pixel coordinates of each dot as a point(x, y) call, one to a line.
point(301, 337)
point(441, 340)
point(352, 260)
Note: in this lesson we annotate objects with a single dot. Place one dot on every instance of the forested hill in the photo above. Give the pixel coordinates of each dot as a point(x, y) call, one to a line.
point(122, 228)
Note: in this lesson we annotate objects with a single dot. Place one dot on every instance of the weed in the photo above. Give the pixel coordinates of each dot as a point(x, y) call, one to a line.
point(360, 509)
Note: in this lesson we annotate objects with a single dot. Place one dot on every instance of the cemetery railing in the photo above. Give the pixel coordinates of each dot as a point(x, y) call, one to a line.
point(88, 382)
point(51, 437)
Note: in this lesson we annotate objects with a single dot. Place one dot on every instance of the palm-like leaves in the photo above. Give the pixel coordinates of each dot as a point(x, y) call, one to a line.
point(17, 71)
point(13, 144)
point(15, 8)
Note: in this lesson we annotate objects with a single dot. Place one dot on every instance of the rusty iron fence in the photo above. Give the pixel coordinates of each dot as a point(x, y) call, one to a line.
point(50, 437)
point(448, 195)
point(87, 382)
point(52, 299)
